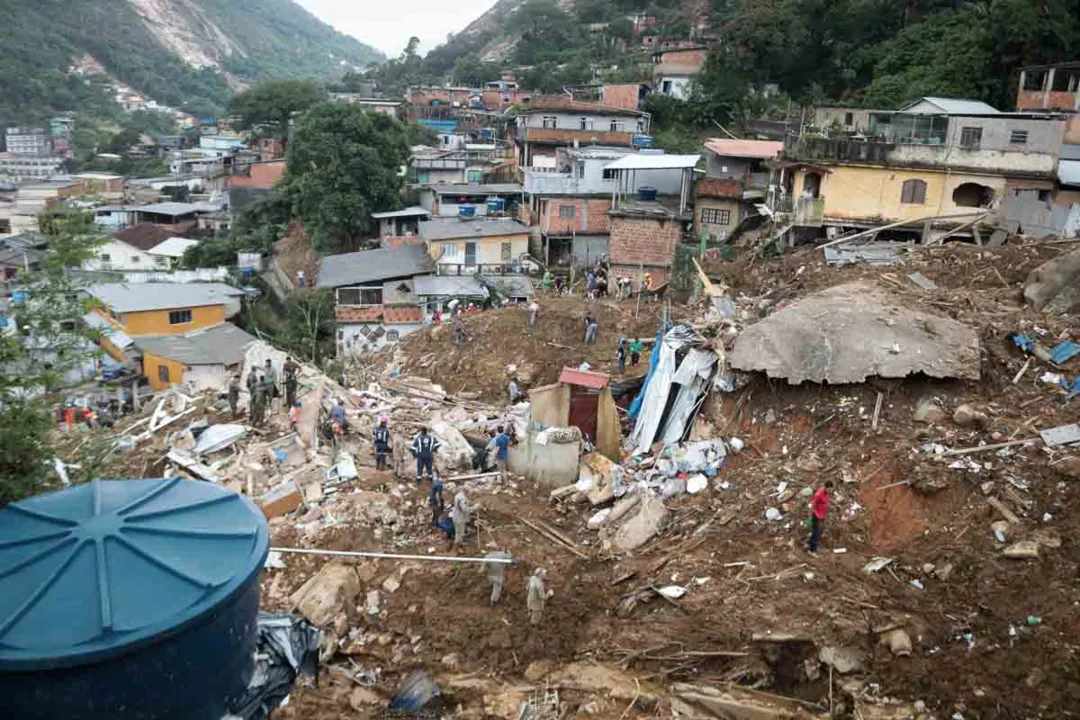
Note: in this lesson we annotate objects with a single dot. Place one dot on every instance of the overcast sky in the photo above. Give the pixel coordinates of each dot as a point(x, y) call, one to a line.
point(388, 24)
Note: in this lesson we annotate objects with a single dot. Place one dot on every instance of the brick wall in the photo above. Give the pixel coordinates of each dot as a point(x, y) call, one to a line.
point(641, 242)
point(590, 216)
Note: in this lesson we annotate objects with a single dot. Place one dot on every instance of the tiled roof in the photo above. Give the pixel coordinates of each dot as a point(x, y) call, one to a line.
point(146, 236)
point(396, 315)
point(583, 378)
point(726, 147)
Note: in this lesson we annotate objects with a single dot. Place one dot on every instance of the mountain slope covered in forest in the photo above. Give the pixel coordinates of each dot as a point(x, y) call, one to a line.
point(182, 53)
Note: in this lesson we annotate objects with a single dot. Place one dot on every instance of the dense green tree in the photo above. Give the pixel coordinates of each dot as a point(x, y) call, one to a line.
point(343, 164)
point(43, 340)
point(269, 107)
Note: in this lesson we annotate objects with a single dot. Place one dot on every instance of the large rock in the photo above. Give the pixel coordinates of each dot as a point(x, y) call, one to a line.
point(968, 416)
point(1054, 286)
point(327, 593)
point(854, 331)
point(640, 528)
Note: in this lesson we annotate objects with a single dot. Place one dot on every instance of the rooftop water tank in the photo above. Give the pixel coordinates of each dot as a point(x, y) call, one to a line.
point(496, 205)
point(646, 194)
point(129, 599)
point(467, 211)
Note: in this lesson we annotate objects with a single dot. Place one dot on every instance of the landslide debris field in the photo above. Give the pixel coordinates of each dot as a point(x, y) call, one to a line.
point(946, 585)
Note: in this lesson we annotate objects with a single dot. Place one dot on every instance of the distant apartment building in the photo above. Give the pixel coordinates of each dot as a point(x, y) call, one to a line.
point(549, 122)
point(736, 180)
point(28, 141)
point(29, 167)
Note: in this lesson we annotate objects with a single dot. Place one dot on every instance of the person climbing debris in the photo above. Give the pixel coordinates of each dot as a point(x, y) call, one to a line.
point(424, 447)
point(536, 595)
point(620, 353)
point(591, 324)
point(461, 513)
point(513, 391)
point(234, 395)
point(337, 414)
point(382, 445)
point(502, 452)
point(482, 457)
point(435, 500)
point(459, 330)
point(819, 508)
point(635, 352)
point(496, 573)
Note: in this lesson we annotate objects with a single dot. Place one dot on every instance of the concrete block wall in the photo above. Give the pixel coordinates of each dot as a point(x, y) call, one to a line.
point(590, 216)
point(644, 242)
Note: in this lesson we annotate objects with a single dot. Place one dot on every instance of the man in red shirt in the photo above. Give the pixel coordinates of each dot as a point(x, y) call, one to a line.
point(819, 508)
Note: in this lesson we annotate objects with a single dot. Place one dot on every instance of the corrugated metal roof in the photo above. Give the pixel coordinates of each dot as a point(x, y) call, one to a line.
point(173, 247)
point(457, 228)
point(413, 211)
point(1069, 172)
point(115, 336)
point(477, 189)
point(1070, 152)
point(584, 378)
point(955, 106)
point(650, 161)
point(141, 297)
point(223, 344)
point(170, 208)
point(374, 265)
point(728, 147)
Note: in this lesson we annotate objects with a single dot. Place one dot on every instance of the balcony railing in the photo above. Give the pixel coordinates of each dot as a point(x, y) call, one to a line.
point(454, 269)
point(809, 212)
point(566, 136)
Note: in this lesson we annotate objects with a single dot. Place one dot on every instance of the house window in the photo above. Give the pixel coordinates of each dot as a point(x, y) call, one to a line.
point(163, 373)
point(567, 212)
point(161, 261)
point(449, 250)
point(360, 296)
point(667, 87)
point(135, 258)
point(971, 138)
point(1018, 137)
point(913, 192)
point(849, 119)
point(550, 122)
point(506, 251)
point(581, 171)
point(475, 176)
point(393, 335)
point(105, 257)
point(179, 317)
point(584, 122)
point(616, 126)
point(715, 216)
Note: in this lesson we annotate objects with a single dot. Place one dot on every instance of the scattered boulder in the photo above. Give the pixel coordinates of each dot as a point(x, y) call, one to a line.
point(843, 659)
point(928, 411)
point(968, 416)
point(898, 641)
point(1022, 550)
point(1054, 286)
point(327, 593)
point(640, 528)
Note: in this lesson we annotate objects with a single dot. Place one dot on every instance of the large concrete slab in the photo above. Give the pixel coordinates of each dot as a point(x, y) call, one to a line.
point(854, 331)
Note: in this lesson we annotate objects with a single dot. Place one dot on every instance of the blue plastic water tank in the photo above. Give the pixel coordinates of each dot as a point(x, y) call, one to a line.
point(495, 205)
point(646, 194)
point(467, 211)
point(129, 599)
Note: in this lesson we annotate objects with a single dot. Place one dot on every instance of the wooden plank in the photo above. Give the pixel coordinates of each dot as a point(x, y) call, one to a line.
point(877, 410)
point(554, 539)
point(1005, 512)
point(985, 448)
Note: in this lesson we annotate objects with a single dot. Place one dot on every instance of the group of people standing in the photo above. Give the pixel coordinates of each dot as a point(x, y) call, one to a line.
point(263, 390)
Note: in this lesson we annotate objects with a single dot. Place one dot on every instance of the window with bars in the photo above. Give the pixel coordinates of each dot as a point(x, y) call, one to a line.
point(360, 296)
point(163, 373)
point(913, 192)
point(179, 317)
point(507, 251)
point(567, 212)
point(550, 122)
point(971, 138)
point(1018, 137)
point(715, 216)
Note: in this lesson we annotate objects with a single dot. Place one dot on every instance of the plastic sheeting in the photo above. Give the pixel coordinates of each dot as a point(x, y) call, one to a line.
point(693, 378)
point(288, 647)
point(218, 437)
point(658, 386)
point(419, 692)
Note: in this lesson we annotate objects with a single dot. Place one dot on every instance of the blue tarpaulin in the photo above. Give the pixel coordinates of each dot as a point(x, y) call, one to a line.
point(654, 360)
point(1064, 351)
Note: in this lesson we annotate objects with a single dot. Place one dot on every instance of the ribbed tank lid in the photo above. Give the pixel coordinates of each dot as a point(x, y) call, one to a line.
point(98, 570)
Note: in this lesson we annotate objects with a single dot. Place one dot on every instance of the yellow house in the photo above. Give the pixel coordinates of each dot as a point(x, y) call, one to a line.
point(200, 359)
point(485, 245)
point(133, 310)
point(887, 194)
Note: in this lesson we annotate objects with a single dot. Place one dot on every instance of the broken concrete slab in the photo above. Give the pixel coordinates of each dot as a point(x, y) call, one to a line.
point(735, 703)
point(218, 437)
point(327, 593)
point(1022, 550)
point(1054, 286)
point(843, 659)
point(281, 500)
point(589, 677)
point(640, 528)
point(928, 411)
point(854, 331)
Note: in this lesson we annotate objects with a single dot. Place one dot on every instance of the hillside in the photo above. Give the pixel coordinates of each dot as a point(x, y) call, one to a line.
point(182, 53)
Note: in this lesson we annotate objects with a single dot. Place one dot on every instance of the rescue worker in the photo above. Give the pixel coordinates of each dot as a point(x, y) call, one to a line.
point(258, 405)
point(424, 447)
point(252, 382)
point(536, 595)
point(459, 330)
point(534, 311)
point(461, 515)
point(819, 509)
point(234, 394)
point(496, 573)
point(254, 391)
point(635, 352)
point(513, 391)
point(382, 445)
point(291, 369)
point(620, 353)
point(480, 457)
point(547, 282)
point(435, 500)
point(337, 414)
point(270, 383)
